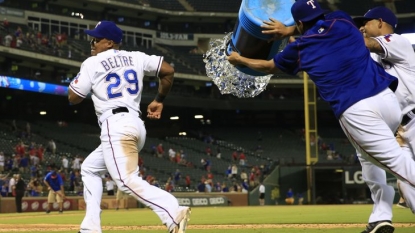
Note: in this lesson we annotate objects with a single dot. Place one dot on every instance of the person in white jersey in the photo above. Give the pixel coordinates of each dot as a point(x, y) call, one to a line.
point(114, 78)
point(395, 53)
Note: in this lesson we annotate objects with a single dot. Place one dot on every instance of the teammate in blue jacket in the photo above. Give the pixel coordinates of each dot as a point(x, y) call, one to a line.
point(361, 93)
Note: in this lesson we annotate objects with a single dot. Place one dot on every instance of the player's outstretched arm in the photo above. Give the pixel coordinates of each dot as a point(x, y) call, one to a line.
point(166, 77)
point(73, 97)
point(277, 29)
point(265, 66)
point(373, 45)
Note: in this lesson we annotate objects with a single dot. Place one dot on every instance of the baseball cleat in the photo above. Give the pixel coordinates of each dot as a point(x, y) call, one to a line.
point(379, 227)
point(182, 218)
point(402, 205)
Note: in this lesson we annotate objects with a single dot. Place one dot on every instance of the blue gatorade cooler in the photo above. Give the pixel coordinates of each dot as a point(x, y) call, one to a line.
point(247, 38)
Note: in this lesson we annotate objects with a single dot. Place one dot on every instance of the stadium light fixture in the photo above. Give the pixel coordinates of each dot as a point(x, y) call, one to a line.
point(174, 118)
point(42, 112)
point(182, 133)
point(198, 116)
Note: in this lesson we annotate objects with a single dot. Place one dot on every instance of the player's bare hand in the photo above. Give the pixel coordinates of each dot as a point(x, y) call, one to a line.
point(275, 28)
point(234, 58)
point(154, 110)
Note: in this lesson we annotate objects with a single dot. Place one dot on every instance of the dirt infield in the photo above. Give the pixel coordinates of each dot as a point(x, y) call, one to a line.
point(61, 227)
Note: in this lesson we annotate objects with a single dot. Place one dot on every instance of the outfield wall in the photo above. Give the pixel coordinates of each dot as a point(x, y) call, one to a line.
point(39, 204)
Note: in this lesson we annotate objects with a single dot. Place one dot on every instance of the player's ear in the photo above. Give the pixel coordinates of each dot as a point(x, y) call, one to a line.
point(380, 23)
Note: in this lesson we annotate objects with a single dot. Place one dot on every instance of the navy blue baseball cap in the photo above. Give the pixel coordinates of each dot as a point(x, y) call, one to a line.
point(379, 12)
point(107, 30)
point(306, 10)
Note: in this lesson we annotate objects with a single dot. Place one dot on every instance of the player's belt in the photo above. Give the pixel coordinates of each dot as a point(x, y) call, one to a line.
point(408, 117)
point(120, 109)
point(114, 111)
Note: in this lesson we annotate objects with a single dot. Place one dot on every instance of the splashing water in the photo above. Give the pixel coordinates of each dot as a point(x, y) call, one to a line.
point(229, 79)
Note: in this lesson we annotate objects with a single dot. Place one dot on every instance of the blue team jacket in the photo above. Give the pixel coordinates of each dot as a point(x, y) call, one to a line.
point(334, 55)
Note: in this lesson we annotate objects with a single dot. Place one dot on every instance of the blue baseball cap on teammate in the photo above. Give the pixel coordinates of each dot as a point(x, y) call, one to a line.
point(306, 10)
point(107, 30)
point(379, 12)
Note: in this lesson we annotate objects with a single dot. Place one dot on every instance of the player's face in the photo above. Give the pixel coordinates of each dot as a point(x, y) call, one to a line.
point(371, 28)
point(100, 45)
point(300, 27)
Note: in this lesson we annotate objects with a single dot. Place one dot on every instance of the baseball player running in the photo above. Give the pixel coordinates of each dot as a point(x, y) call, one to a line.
point(361, 93)
point(115, 79)
point(393, 52)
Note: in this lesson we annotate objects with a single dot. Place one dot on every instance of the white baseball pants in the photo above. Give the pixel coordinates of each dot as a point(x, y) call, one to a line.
point(122, 137)
point(370, 125)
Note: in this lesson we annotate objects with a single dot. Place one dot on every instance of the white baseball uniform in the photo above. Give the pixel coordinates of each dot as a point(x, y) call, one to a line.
point(399, 61)
point(115, 79)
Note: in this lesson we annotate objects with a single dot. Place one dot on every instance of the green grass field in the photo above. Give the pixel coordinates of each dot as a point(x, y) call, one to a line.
point(281, 219)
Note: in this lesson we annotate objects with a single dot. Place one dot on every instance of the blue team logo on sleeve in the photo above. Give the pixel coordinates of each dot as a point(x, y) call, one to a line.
point(75, 80)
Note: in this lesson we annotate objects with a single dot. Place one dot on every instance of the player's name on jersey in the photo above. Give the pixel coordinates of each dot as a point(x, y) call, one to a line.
point(117, 61)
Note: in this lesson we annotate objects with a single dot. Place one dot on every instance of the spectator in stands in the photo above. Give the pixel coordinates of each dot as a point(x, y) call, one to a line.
point(20, 149)
point(33, 170)
point(208, 187)
point(19, 190)
point(12, 183)
point(24, 164)
point(65, 164)
point(217, 187)
point(160, 150)
point(153, 150)
point(54, 183)
point(234, 171)
point(252, 178)
point(245, 186)
point(18, 31)
point(33, 187)
point(225, 188)
point(172, 155)
point(177, 176)
point(218, 153)
point(8, 40)
point(242, 158)
point(9, 164)
point(209, 176)
point(177, 157)
point(6, 24)
point(76, 163)
point(2, 161)
point(4, 189)
point(206, 164)
point(243, 175)
point(40, 152)
point(19, 41)
point(188, 181)
point(208, 151)
point(169, 186)
point(52, 146)
point(201, 187)
point(234, 156)
point(229, 172)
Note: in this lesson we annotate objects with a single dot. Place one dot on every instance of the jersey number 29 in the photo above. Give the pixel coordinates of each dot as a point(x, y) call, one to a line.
point(130, 76)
